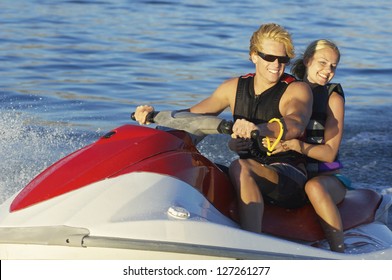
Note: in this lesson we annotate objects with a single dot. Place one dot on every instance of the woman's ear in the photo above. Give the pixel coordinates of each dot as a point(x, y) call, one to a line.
point(307, 62)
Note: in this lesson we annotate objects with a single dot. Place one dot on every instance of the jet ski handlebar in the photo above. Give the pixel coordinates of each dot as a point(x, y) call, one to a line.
point(197, 125)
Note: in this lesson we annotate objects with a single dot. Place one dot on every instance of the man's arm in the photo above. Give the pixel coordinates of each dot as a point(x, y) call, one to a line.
point(296, 110)
point(221, 98)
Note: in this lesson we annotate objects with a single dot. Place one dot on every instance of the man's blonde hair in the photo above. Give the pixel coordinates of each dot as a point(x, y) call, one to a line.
point(271, 31)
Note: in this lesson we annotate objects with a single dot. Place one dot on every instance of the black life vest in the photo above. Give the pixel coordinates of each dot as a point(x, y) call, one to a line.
point(260, 109)
point(314, 133)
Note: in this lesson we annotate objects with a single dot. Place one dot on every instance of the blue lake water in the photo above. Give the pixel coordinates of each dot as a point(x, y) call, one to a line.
point(72, 70)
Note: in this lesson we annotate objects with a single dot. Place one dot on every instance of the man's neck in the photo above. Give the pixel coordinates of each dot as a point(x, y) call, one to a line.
point(261, 85)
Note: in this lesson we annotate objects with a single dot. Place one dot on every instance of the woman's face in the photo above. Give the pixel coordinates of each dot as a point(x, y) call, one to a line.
point(322, 66)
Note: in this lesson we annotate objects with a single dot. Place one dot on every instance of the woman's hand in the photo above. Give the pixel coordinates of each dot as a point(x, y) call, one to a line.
point(142, 112)
point(284, 146)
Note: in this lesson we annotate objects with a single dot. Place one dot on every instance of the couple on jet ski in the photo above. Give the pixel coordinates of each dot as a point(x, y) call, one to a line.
point(301, 121)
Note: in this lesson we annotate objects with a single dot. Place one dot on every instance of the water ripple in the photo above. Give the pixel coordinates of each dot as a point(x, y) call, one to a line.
point(87, 64)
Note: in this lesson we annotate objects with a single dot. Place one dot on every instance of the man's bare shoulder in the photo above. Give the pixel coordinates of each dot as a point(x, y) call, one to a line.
point(228, 87)
point(298, 85)
point(221, 98)
point(230, 82)
point(299, 88)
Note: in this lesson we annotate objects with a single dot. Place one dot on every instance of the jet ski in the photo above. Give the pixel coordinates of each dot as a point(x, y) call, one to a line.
point(146, 192)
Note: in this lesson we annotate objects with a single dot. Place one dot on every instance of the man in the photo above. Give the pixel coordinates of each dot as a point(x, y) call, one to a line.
point(254, 99)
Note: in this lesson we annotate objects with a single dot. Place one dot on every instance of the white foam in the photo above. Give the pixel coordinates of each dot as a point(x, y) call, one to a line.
point(26, 148)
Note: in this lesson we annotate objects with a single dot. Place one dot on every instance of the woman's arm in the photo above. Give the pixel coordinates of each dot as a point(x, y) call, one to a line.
point(333, 134)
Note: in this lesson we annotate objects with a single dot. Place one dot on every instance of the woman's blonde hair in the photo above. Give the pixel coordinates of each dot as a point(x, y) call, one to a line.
point(271, 31)
point(299, 69)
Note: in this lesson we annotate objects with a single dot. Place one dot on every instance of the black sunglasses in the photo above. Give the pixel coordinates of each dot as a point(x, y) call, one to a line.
point(272, 58)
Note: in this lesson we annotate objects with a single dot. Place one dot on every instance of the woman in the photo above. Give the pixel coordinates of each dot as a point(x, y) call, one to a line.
point(320, 144)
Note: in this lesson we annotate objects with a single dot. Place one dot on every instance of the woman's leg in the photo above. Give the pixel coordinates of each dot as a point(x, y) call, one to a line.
point(324, 192)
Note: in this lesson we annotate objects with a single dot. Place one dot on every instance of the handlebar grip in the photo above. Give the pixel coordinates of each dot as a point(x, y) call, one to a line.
point(257, 139)
point(225, 127)
point(149, 118)
point(255, 134)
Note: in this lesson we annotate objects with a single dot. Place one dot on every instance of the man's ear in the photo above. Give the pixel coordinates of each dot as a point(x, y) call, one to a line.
point(254, 57)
